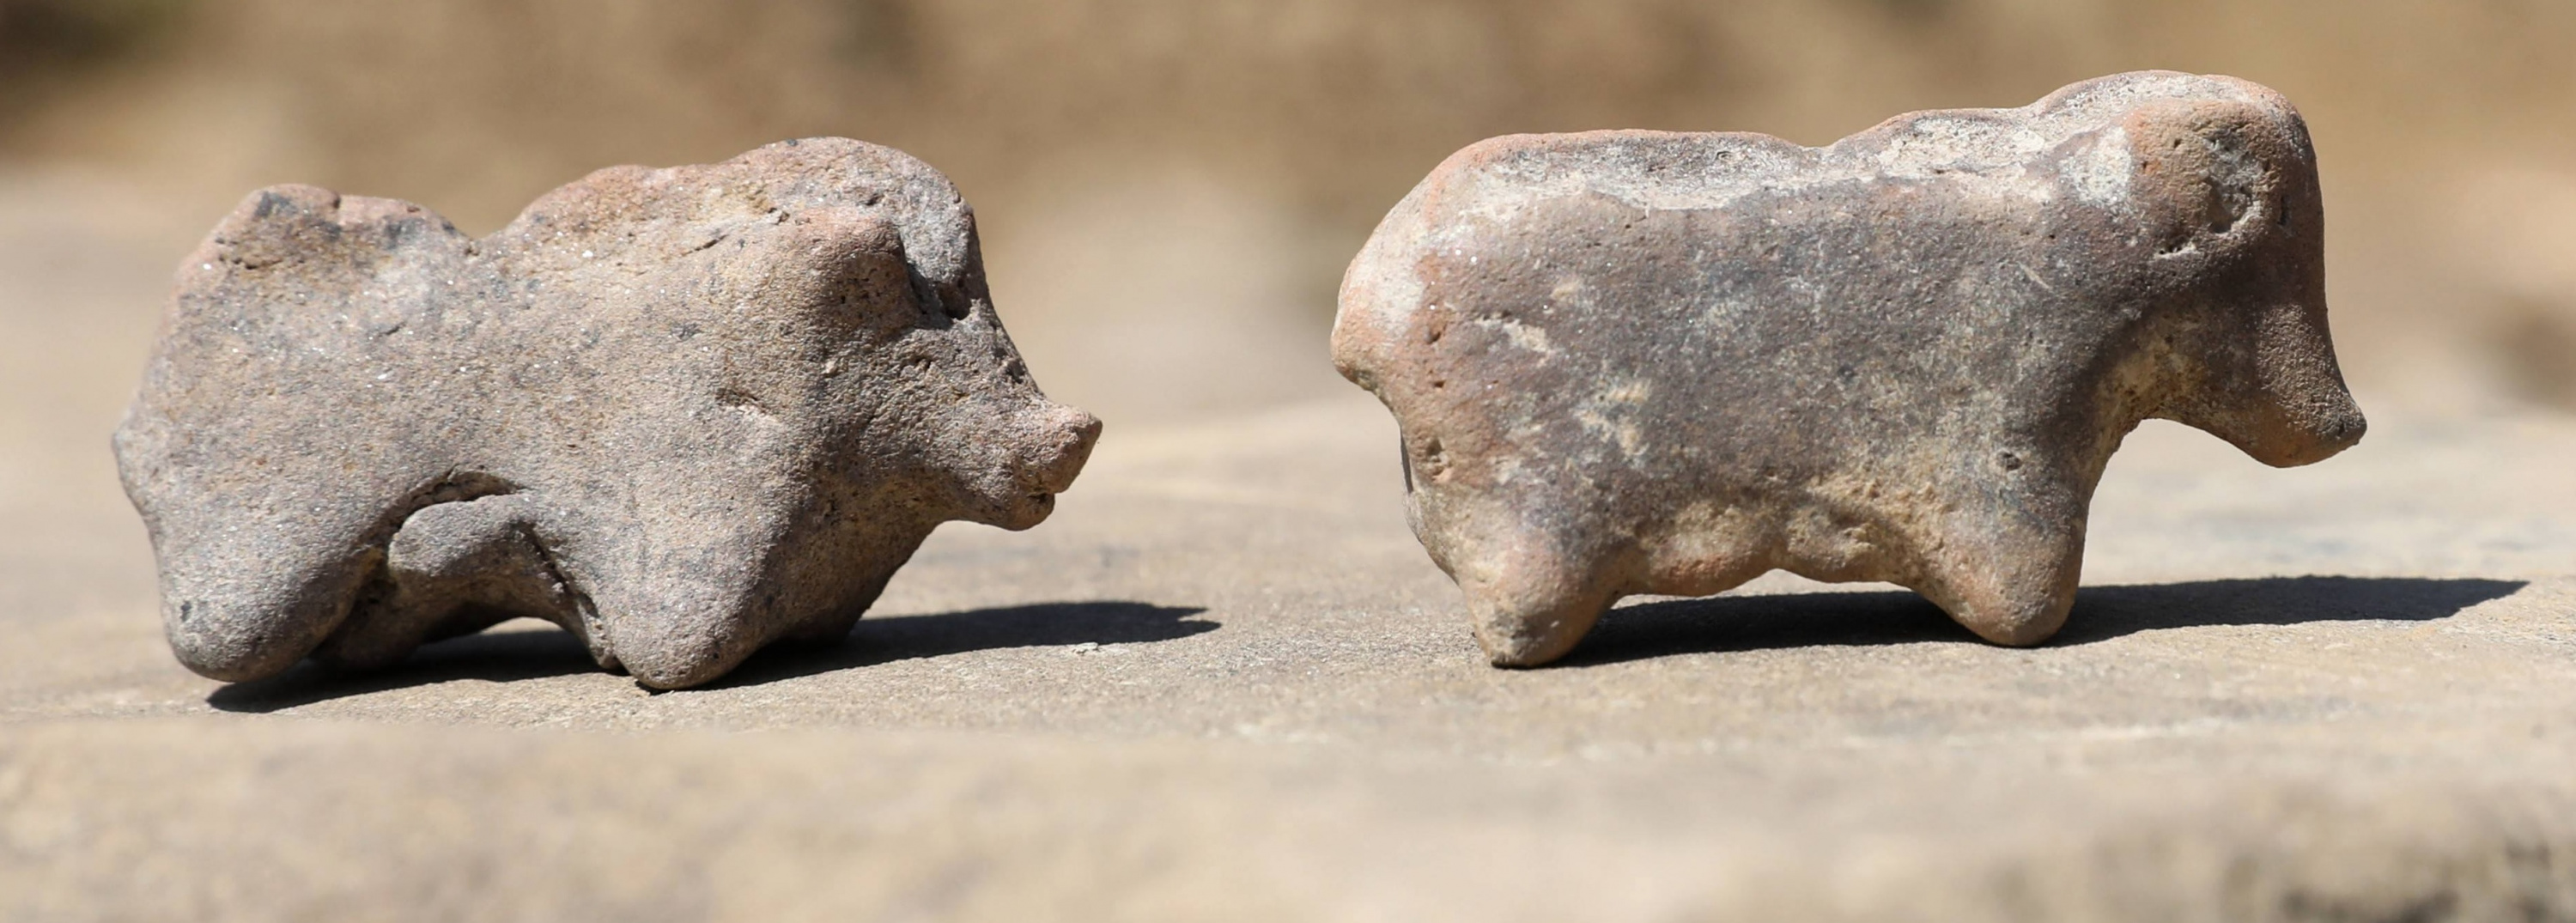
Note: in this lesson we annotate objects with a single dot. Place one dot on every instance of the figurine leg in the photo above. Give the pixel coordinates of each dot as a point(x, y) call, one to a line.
point(2012, 586)
point(1530, 602)
point(253, 610)
point(452, 569)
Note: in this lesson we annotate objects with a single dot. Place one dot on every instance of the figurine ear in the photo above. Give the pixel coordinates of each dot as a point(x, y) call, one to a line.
point(2209, 175)
point(848, 266)
point(276, 225)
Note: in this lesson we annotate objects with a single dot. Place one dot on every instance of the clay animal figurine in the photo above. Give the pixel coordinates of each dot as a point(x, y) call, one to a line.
point(683, 413)
point(1645, 362)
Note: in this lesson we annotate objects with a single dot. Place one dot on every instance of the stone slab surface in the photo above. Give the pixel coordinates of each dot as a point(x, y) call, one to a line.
point(1224, 683)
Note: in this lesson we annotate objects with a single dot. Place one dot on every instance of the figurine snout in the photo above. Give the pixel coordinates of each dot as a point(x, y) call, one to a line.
point(2305, 414)
point(2320, 433)
point(1070, 434)
point(2341, 430)
point(1061, 444)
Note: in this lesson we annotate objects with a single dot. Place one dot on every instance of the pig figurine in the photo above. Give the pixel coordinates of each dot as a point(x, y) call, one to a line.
point(682, 413)
point(1645, 362)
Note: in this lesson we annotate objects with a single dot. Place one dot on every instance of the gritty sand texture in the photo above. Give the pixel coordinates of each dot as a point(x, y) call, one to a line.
point(1224, 682)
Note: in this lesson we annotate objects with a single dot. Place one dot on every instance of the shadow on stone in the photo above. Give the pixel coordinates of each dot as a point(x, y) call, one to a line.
point(518, 653)
point(1743, 623)
point(914, 637)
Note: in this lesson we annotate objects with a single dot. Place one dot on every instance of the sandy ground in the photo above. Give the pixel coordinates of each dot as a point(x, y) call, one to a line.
point(1224, 683)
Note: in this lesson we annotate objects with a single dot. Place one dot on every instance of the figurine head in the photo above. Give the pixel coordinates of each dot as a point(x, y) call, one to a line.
point(2223, 193)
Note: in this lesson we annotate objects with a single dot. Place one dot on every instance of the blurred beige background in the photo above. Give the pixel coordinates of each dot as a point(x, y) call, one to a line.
point(1169, 187)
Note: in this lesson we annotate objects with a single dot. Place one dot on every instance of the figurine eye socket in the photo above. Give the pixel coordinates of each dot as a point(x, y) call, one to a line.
point(940, 301)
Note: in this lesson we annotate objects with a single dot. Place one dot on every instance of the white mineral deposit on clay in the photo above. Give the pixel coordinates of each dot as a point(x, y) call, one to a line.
point(1905, 356)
